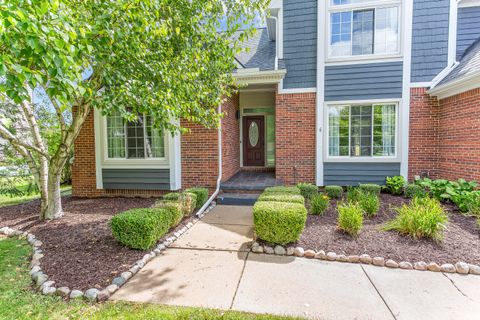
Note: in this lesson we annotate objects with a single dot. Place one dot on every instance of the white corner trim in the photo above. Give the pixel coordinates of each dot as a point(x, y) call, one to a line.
point(297, 90)
point(468, 3)
point(452, 33)
point(321, 40)
point(259, 77)
point(456, 87)
point(420, 84)
point(97, 118)
point(175, 161)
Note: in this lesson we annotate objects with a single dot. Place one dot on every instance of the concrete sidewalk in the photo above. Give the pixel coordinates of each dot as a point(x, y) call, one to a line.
point(210, 266)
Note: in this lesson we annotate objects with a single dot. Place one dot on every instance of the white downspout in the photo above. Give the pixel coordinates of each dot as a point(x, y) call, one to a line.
point(219, 179)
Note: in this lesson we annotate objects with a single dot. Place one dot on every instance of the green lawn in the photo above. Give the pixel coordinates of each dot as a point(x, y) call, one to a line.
point(19, 301)
point(6, 200)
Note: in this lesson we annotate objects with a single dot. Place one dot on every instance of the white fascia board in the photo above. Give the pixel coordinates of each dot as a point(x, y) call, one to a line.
point(468, 3)
point(456, 87)
point(259, 77)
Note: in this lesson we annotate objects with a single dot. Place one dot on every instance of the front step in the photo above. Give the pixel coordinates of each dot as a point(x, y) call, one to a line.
point(237, 199)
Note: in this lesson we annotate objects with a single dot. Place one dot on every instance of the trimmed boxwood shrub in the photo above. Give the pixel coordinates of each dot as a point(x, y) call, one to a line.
point(140, 228)
point(334, 192)
point(370, 188)
point(189, 203)
point(282, 197)
point(172, 196)
point(174, 208)
point(281, 189)
point(307, 190)
point(202, 195)
point(319, 203)
point(279, 222)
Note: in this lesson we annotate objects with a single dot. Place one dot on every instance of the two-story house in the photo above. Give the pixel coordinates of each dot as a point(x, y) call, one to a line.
point(333, 92)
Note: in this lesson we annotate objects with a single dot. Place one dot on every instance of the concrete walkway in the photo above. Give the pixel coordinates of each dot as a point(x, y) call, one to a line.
point(210, 266)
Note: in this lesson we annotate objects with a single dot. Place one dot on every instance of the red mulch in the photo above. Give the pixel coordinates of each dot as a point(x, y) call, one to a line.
point(80, 251)
point(461, 240)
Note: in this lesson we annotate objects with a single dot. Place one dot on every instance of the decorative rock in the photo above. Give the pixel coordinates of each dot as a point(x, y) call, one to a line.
point(103, 295)
point(331, 256)
point(257, 249)
point(34, 263)
point(41, 279)
point(7, 231)
point(147, 258)
point(134, 269)
point(462, 267)
point(365, 258)
point(76, 294)
point(309, 254)
point(91, 294)
point(62, 292)
point(268, 250)
point(298, 252)
point(290, 251)
point(391, 263)
point(189, 225)
point(35, 269)
point(177, 234)
point(378, 261)
point(342, 258)
point(161, 247)
point(119, 281)
point(112, 288)
point(48, 290)
point(321, 255)
point(405, 265)
point(35, 275)
point(474, 269)
point(167, 243)
point(448, 268)
point(47, 284)
point(432, 266)
point(37, 256)
point(140, 264)
point(420, 266)
point(2, 230)
point(279, 250)
point(157, 251)
point(17, 233)
point(353, 259)
point(126, 275)
point(37, 243)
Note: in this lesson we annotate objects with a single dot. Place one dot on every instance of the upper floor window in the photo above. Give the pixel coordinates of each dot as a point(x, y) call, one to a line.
point(364, 27)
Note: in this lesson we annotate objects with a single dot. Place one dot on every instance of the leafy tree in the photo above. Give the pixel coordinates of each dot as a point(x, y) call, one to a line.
point(162, 57)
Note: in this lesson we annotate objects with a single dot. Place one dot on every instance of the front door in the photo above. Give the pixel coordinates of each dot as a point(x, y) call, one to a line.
point(254, 141)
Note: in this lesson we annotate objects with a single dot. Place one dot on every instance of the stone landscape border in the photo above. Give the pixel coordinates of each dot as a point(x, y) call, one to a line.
point(47, 287)
point(459, 267)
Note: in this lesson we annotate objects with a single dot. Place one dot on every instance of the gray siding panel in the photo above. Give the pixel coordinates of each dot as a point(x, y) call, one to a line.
point(468, 29)
point(351, 174)
point(430, 38)
point(136, 179)
point(364, 81)
point(300, 43)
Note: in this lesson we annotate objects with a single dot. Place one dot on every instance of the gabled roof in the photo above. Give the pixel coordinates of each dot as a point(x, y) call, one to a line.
point(261, 53)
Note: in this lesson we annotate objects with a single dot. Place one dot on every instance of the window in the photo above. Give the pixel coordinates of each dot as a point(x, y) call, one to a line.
point(362, 130)
point(133, 139)
point(359, 28)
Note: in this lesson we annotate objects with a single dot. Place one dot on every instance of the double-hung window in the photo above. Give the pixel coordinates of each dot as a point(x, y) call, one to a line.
point(136, 139)
point(364, 27)
point(366, 130)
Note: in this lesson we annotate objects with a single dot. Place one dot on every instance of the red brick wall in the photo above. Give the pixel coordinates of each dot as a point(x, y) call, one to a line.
point(459, 147)
point(295, 129)
point(424, 122)
point(230, 138)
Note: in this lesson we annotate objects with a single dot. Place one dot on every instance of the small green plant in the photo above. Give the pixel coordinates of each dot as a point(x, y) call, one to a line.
point(334, 192)
point(444, 190)
point(412, 190)
point(282, 189)
point(279, 222)
point(468, 202)
point(350, 218)
point(370, 188)
point(354, 194)
point(370, 203)
point(319, 203)
point(282, 197)
point(395, 184)
point(308, 190)
point(423, 218)
point(202, 195)
point(140, 228)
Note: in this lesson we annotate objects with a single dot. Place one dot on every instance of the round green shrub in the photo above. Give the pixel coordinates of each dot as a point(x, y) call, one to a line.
point(279, 222)
point(413, 190)
point(202, 195)
point(281, 197)
point(395, 184)
point(140, 228)
point(307, 190)
point(370, 188)
point(334, 192)
point(350, 218)
point(282, 189)
point(319, 203)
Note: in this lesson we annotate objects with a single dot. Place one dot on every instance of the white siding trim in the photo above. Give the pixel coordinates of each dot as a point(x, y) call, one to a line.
point(321, 40)
point(452, 33)
point(420, 84)
point(175, 161)
point(98, 148)
point(296, 90)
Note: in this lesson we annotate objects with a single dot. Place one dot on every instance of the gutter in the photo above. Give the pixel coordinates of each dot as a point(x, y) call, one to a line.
point(219, 179)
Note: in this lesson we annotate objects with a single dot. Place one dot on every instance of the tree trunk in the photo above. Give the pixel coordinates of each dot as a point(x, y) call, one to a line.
point(51, 207)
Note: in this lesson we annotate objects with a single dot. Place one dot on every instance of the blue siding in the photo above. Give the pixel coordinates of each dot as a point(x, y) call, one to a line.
point(468, 29)
point(300, 43)
point(364, 81)
point(351, 174)
point(136, 179)
point(430, 38)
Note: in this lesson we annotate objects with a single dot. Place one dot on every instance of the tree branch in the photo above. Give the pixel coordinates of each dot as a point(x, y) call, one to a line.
point(7, 135)
point(34, 129)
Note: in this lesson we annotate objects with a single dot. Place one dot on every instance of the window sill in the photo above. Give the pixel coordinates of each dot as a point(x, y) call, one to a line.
point(362, 159)
point(135, 163)
point(365, 59)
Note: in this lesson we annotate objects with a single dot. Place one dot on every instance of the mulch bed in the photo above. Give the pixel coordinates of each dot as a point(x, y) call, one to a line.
point(461, 240)
point(80, 251)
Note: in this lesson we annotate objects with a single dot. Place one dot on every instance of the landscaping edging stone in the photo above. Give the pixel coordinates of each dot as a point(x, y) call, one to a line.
point(459, 267)
point(46, 287)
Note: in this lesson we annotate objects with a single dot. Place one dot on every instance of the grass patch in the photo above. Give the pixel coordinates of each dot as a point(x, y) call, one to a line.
point(6, 200)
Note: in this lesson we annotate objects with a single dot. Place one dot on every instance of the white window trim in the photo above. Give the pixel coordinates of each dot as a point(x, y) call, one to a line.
point(366, 5)
point(398, 142)
point(468, 3)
